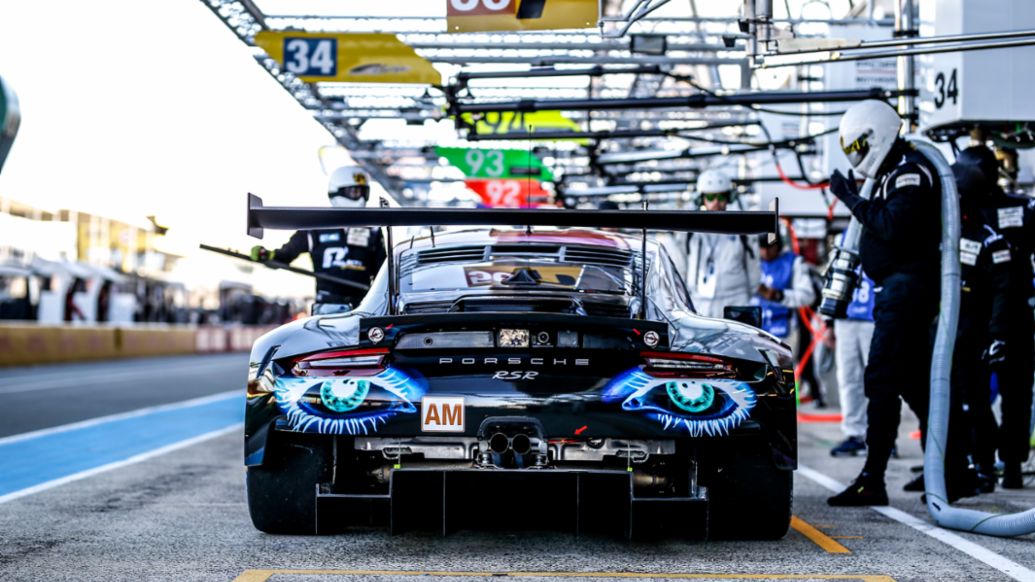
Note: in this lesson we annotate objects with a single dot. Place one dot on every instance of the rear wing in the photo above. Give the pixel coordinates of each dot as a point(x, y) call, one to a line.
point(294, 218)
point(291, 218)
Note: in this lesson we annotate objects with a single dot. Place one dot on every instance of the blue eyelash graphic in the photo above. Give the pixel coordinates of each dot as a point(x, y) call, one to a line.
point(700, 407)
point(390, 393)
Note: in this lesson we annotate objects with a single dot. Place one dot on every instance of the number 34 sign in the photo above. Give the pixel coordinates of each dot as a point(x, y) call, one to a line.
point(310, 57)
point(347, 58)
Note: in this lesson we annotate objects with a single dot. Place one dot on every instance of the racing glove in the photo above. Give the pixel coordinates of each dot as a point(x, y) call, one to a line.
point(995, 354)
point(845, 188)
point(261, 254)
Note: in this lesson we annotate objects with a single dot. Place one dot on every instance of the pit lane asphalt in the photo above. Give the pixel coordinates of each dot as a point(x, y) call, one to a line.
point(181, 516)
point(39, 397)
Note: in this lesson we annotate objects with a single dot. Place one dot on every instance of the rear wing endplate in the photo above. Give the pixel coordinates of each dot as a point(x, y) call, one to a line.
point(303, 218)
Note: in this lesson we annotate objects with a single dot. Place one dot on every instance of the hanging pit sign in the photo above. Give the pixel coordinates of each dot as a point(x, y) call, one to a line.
point(485, 15)
point(509, 193)
point(496, 164)
point(504, 122)
point(347, 58)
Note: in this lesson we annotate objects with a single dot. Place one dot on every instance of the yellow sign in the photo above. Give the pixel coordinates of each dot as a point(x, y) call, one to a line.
point(482, 15)
point(347, 58)
point(501, 122)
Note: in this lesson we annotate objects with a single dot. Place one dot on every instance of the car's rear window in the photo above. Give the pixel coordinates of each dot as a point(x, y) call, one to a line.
point(518, 274)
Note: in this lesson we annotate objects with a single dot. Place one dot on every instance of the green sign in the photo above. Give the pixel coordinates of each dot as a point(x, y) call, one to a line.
point(490, 164)
point(10, 117)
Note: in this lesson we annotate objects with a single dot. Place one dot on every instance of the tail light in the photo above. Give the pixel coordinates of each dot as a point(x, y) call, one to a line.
point(361, 362)
point(685, 365)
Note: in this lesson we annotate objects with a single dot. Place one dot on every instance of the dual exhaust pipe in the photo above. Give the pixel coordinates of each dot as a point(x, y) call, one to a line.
point(500, 443)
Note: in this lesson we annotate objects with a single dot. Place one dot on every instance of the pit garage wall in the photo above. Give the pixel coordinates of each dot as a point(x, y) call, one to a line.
point(22, 345)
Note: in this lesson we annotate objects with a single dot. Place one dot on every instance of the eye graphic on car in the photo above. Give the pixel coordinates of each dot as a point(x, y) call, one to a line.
point(698, 406)
point(346, 405)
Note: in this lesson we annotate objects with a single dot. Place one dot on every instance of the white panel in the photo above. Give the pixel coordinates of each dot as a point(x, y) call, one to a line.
point(987, 85)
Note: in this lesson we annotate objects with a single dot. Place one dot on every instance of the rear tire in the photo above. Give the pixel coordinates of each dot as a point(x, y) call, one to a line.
point(751, 502)
point(282, 491)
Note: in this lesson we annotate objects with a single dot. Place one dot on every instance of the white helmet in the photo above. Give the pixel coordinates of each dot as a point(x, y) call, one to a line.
point(714, 182)
point(348, 177)
point(868, 131)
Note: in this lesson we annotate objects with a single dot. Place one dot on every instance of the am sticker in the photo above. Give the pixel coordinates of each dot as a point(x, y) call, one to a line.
point(442, 414)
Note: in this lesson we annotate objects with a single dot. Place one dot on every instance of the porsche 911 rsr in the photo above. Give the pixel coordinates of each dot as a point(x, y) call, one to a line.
point(520, 376)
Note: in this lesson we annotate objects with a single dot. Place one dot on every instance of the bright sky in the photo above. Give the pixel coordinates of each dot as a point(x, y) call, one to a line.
point(133, 108)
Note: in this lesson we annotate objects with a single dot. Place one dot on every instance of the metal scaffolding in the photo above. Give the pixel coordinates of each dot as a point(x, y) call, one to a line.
point(617, 90)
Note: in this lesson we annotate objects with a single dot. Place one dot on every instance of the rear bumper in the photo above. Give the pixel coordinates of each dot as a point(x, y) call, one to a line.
point(577, 500)
point(772, 425)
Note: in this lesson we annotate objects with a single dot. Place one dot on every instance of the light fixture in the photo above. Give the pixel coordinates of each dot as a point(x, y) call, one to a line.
point(648, 44)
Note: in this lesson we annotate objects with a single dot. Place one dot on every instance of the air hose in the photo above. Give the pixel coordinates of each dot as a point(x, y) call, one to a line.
point(943, 514)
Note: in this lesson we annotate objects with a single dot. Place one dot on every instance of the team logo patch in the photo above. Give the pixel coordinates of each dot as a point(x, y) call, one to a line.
point(359, 237)
point(442, 414)
point(970, 246)
point(1001, 257)
point(1012, 217)
point(969, 250)
point(330, 237)
point(906, 180)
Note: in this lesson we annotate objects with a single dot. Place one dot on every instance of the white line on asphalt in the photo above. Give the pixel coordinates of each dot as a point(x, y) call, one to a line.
point(976, 551)
point(119, 464)
point(80, 369)
point(72, 381)
point(133, 413)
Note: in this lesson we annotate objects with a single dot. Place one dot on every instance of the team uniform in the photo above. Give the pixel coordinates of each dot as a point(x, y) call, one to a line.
point(1014, 218)
point(721, 270)
point(854, 334)
point(899, 248)
point(353, 254)
point(985, 279)
point(786, 273)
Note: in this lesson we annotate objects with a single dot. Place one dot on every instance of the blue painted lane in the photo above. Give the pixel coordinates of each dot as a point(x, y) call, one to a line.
point(38, 459)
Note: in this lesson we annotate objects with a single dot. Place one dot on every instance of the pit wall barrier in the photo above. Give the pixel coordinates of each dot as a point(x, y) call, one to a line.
point(29, 344)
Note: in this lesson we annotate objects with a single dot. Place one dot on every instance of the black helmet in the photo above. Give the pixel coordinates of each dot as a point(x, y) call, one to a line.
point(985, 161)
point(970, 182)
point(763, 241)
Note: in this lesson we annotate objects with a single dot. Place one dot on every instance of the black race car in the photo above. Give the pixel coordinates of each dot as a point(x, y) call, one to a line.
point(520, 376)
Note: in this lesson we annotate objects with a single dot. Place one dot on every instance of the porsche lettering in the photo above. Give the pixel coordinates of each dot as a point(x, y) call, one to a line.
point(490, 361)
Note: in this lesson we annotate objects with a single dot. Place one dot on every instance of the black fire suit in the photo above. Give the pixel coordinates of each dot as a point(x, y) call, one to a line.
point(985, 280)
point(1014, 217)
point(353, 254)
point(899, 251)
